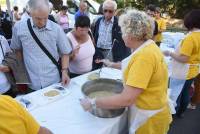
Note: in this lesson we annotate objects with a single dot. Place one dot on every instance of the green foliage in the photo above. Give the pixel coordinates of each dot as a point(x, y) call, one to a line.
point(100, 1)
point(175, 8)
point(57, 4)
point(184, 6)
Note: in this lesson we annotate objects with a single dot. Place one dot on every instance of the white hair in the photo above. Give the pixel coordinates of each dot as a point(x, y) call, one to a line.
point(110, 3)
point(38, 4)
point(137, 24)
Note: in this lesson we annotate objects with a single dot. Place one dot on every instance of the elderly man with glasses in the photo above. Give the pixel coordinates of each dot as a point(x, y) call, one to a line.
point(42, 67)
point(107, 34)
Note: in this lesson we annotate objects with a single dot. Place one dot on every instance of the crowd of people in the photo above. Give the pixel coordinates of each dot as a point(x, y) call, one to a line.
point(44, 50)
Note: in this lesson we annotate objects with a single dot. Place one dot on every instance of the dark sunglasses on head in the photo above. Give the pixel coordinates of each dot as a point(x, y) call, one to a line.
point(106, 10)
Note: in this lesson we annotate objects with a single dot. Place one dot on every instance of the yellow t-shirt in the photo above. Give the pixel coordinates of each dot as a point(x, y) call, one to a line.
point(147, 70)
point(14, 119)
point(190, 46)
point(161, 26)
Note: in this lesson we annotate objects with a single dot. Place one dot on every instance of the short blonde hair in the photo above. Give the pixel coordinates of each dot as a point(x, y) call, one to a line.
point(110, 3)
point(137, 24)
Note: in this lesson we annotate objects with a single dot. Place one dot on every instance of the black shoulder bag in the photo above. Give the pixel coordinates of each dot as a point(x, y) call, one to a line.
point(43, 48)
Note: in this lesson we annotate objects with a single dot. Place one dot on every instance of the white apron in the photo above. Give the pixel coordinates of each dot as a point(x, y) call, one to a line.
point(178, 76)
point(137, 116)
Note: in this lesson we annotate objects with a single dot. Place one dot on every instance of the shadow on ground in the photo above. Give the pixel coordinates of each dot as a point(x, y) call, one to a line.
point(190, 124)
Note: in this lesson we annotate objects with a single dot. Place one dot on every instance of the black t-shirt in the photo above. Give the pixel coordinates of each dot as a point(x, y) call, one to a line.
point(6, 24)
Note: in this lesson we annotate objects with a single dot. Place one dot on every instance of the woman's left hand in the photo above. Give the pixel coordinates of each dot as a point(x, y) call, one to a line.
point(86, 104)
point(106, 62)
point(74, 53)
point(4, 69)
point(166, 53)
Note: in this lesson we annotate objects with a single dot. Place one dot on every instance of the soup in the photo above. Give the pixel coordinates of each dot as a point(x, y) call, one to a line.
point(93, 76)
point(99, 94)
point(51, 93)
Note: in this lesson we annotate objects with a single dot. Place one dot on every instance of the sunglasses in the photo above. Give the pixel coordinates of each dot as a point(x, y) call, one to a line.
point(109, 11)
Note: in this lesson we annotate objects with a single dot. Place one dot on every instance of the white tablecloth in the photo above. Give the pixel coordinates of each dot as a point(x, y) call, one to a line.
point(170, 43)
point(64, 115)
point(172, 39)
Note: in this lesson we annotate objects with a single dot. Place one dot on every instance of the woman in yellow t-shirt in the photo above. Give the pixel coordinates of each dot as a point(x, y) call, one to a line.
point(14, 119)
point(189, 53)
point(145, 76)
point(161, 26)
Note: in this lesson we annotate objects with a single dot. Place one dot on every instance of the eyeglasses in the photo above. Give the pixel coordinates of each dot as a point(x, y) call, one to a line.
point(109, 11)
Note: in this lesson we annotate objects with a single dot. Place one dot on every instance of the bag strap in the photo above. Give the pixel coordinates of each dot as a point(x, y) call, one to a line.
point(92, 37)
point(2, 49)
point(70, 42)
point(43, 47)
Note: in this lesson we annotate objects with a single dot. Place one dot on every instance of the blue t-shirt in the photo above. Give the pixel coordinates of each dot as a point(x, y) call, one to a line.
point(78, 13)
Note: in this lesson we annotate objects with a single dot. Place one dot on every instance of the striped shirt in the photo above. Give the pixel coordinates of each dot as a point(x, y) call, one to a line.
point(40, 68)
point(105, 34)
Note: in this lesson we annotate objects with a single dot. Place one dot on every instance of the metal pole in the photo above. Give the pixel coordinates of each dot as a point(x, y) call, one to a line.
point(8, 7)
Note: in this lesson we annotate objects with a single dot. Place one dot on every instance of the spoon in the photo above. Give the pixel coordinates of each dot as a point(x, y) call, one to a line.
point(106, 57)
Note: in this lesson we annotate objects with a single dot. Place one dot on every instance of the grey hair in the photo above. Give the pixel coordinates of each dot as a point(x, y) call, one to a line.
point(137, 24)
point(38, 4)
point(110, 3)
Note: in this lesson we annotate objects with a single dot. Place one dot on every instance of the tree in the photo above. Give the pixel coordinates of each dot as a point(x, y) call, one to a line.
point(175, 8)
point(57, 4)
point(184, 6)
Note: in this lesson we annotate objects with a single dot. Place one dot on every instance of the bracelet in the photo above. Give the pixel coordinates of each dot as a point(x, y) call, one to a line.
point(93, 103)
point(110, 65)
point(64, 69)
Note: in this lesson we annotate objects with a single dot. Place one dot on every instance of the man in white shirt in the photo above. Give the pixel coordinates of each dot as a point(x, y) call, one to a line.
point(41, 70)
point(4, 84)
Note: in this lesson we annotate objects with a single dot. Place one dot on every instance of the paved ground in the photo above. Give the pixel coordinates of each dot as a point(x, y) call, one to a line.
point(190, 124)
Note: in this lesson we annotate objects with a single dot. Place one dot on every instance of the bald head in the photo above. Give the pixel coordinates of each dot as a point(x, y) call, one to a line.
point(39, 11)
point(38, 5)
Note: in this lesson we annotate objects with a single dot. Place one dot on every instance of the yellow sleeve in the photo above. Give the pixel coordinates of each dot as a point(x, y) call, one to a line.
point(31, 124)
point(163, 24)
point(140, 74)
point(186, 46)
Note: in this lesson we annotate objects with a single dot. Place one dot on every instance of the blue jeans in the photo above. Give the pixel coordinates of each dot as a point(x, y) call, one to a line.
point(184, 97)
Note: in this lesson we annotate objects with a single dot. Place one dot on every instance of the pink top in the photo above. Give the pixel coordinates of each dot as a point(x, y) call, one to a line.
point(82, 63)
point(64, 22)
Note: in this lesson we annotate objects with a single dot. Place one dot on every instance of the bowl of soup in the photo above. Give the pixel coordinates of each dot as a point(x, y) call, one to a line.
point(100, 88)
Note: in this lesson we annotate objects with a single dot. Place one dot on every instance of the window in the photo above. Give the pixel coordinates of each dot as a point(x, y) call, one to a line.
point(72, 6)
point(91, 9)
